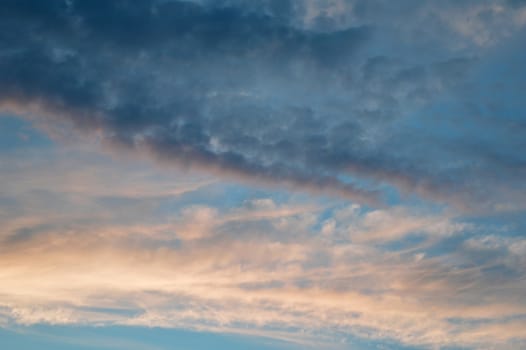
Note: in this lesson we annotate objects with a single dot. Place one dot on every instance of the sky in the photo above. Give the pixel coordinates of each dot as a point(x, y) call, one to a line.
point(264, 174)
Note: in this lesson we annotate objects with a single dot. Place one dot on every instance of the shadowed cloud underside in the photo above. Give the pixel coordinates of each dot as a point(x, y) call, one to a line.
point(333, 174)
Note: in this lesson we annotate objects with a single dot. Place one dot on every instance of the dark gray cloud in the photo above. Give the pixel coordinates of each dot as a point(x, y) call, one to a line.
point(246, 90)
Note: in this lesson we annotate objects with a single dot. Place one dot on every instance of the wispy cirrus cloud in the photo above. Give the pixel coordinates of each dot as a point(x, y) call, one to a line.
point(307, 273)
point(249, 276)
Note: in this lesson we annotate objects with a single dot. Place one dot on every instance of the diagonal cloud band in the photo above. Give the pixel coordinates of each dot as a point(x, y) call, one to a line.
point(245, 92)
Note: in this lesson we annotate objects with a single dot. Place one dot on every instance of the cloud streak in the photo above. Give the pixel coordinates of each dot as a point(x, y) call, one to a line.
point(240, 274)
point(309, 273)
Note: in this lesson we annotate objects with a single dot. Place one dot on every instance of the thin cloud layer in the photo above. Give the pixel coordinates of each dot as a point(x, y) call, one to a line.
point(301, 270)
point(297, 93)
point(253, 274)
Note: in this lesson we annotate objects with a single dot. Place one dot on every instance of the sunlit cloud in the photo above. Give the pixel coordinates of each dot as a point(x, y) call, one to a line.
point(319, 172)
point(261, 266)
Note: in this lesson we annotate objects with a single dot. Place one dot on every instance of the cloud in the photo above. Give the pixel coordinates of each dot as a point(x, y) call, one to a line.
point(258, 265)
point(354, 99)
point(166, 116)
point(241, 91)
point(265, 280)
